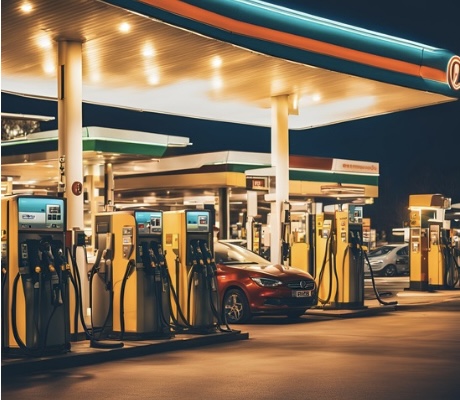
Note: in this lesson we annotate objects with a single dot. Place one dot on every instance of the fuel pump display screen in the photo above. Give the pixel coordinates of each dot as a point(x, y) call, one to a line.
point(355, 214)
point(148, 222)
point(40, 213)
point(197, 221)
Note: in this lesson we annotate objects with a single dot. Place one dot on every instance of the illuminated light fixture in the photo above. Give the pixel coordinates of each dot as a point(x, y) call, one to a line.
point(95, 77)
point(148, 51)
point(49, 68)
point(216, 62)
point(217, 82)
point(26, 7)
point(124, 27)
point(316, 98)
point(44, 42)
point(153, 79)
point(342, 189)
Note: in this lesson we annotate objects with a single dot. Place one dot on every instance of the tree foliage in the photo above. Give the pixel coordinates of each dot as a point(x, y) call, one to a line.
point(17, 128)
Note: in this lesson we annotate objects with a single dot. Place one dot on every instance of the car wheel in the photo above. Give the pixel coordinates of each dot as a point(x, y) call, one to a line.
point(236, 307)
point(295, 313)
point(390, 270)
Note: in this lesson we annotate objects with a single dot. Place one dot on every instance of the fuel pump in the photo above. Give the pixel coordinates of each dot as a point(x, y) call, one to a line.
point(126, 285)
point(301, 251)
point(436, 261)
point(431, 264)
point(285, 232)
point(442, 268)
point(340, 259)
point(188, 245)
point(150, 259)
point(35, 292)
point(451, 268)
point(254, 240)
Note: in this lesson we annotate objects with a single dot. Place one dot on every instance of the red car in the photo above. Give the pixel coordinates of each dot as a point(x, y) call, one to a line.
point(250, 285)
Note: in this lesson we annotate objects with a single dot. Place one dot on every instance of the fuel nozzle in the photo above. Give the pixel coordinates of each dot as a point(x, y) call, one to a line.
point(198, 253)
point(46, 256)
point(207, 253)
point(158, 251)
point(152, 258)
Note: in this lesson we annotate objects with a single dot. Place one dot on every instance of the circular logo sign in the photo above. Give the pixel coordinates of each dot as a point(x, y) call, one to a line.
point(453, 73)
point(77, 188)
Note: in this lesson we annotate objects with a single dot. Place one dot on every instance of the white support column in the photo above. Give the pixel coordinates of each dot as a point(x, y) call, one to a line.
point(70, 120)
point(224, 213)
point(252, 208)
point(279, 160)
point(109, 198)
point(70, 144)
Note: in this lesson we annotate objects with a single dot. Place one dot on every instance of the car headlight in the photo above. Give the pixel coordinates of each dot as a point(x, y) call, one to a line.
point(267, 282)
point(376, 262)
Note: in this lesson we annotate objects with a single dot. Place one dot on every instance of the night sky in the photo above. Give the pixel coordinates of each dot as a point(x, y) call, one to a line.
point(418, 150)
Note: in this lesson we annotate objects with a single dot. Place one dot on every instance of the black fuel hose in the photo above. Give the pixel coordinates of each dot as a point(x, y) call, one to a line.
point(377, 294)
point(4, 279)
point(129, 270)
point(176, 324)
point(94, 342)
point(216, 307)
point(329, 259)
point(451, 273)
point(27, 350)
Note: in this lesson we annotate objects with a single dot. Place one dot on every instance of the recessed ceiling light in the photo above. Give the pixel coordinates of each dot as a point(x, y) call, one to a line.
point(153, 79)
point(125, 27)
point(26, 7)
point(216, 62)
point(44, 42)
point(316, 97)
point(148, 51)
point(217, 82)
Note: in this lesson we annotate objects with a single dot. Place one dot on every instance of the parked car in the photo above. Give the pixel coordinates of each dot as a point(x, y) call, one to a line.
point(388, 260)
point(250, 285)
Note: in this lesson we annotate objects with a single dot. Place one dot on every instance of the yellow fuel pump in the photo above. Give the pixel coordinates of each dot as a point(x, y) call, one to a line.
point(35, 276)
point(340, 259)
point(431, 265)
point(301, 251)
point(188, 244)
point(128, 287)
point(436, 262)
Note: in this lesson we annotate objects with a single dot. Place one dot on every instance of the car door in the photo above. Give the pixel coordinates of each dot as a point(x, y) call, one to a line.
point(402, 260)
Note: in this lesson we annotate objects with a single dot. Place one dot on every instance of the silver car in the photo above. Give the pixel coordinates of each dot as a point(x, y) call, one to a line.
point(388, 260)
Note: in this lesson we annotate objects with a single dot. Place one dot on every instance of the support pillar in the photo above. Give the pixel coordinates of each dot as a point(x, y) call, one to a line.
point(252, 208)
point(70, 147)
point(109, 198)
point(279, 160)
point(224, 214)
point(70, 121)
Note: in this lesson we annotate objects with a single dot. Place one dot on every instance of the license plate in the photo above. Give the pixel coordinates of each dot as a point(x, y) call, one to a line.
point(301, 293)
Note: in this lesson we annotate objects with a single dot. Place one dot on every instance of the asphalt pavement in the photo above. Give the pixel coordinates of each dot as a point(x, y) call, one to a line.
point(407, 351)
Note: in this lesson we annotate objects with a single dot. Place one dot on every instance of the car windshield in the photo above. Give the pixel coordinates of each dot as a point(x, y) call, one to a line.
point(380, 251)
point(226, 253)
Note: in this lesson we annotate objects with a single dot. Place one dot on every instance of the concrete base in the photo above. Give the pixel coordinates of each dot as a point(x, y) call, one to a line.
point(82, 353)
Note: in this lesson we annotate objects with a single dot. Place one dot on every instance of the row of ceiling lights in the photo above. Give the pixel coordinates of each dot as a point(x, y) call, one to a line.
point(45, 42)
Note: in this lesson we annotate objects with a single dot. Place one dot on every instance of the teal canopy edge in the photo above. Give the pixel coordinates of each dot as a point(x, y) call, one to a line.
point(315, 28)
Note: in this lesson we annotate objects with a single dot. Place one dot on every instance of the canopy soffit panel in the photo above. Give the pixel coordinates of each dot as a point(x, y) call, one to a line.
point(225, 63)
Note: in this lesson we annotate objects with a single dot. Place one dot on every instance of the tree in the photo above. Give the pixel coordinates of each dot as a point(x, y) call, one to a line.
point(16, 128)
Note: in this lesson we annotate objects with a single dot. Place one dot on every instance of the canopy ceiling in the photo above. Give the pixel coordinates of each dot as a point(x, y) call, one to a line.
point(222, 60)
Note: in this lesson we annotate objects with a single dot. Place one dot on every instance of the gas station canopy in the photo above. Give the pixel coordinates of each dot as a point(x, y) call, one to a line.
point(222, 60)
